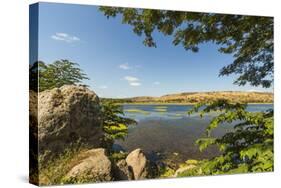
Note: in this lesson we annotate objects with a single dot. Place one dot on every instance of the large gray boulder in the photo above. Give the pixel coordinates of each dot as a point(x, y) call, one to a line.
point(96, 167)
point(138, 163)
point(67, 115)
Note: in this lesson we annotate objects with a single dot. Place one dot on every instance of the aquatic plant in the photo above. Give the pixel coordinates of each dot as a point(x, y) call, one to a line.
point(161, 107)
point(160, 110)
point(137, 111)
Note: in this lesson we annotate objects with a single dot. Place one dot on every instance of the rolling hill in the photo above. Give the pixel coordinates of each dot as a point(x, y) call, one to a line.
point(195, 97)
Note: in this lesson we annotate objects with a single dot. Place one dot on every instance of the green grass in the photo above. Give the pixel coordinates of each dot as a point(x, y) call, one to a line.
point(53, 171)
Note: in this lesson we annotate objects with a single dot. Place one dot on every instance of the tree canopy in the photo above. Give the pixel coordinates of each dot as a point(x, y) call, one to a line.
point(249, 146)
point(59, 73)
point(248, 38)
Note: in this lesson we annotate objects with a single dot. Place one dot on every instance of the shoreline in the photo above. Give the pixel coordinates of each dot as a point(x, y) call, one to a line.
point(183, 104)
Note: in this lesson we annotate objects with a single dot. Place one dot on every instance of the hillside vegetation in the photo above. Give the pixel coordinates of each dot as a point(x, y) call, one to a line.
point(195, 97)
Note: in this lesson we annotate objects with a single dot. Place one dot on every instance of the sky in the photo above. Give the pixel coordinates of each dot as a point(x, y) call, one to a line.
point(117, 62)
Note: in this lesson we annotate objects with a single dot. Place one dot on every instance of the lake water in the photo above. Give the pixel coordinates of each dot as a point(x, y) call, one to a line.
point(167, 132)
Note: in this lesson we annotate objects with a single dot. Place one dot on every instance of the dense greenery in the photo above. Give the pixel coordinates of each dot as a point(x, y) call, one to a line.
point(248, 38)
point(59, 73)
point(115, 125)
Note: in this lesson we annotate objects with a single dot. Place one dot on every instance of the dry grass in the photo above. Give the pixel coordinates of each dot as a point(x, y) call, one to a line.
point(195, 97)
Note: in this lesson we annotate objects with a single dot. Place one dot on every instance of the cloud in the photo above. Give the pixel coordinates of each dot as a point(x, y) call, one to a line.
point(156, 83)
point(124, 66)
point(103, 87)
point(131, 79)
point(65, 37)
point(135, 83)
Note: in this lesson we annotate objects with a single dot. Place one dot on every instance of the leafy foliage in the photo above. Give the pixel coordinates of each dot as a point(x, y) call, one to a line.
point(59, 73)
point(248, 38)
point(115, 125)
point(248, 148)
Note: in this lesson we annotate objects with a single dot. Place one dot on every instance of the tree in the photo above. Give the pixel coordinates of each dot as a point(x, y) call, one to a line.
point(115, 125)
point(248, 38)
point(249, 147)
point(59, 73)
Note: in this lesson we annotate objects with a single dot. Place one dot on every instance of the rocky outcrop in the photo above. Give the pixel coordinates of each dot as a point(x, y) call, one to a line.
point(94, 168)
point(67, 115)
point(70, 114)
point(137, 161)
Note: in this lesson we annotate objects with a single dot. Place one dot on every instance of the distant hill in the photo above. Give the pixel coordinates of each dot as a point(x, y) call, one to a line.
point(195, 97)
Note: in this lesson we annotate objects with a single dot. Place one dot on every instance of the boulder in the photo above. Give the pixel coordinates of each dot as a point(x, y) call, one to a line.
point(67, 115)
point(96, 167)
point(138, 163)
point(122, 171)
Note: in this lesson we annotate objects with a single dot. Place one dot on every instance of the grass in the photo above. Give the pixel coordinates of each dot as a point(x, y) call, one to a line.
point(53, 171)
point(166, 172)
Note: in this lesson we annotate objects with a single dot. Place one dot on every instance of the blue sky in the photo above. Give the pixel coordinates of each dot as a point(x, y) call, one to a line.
point(117, 62)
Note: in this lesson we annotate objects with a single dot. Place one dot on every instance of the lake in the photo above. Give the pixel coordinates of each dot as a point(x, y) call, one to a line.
point(167, 132)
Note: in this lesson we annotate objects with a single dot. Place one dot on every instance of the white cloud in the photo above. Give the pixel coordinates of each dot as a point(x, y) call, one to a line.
point(65, 37)
point(103, 87)
point(156, 83)
point(124, 66)
point(135, 83)
point(131, 78)
point(132, 81)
